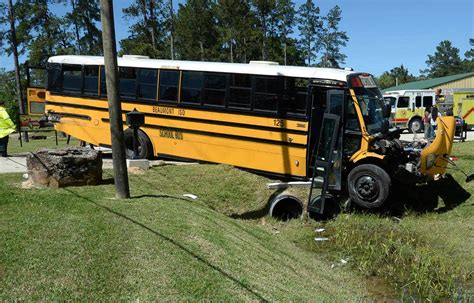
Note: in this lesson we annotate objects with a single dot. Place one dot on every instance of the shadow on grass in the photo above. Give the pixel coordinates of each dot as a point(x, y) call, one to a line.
point(160, 196)
point(258, 213)
point(173, 242)
point(423, 199)
point(452, 193)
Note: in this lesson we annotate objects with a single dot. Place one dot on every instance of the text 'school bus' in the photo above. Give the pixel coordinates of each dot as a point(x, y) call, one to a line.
point(259, 116)
point(408, 107)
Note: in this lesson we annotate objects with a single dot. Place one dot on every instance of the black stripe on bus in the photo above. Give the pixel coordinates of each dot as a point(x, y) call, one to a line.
point(186, 105)
point(245, 138)
point(222, 123)
point(77, 116)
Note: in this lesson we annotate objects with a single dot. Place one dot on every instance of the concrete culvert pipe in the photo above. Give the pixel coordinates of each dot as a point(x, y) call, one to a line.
point(285, 207)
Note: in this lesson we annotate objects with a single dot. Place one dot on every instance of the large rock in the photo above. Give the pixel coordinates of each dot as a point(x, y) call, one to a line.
point(71, 166)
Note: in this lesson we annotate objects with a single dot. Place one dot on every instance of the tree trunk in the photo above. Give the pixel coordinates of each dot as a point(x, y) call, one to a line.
point(19, 94)
point(201, 47)
point(122, 190)
point(153, 23)
point(231, 51)
point(171, 29)
point(76, 27)
point(284, 52)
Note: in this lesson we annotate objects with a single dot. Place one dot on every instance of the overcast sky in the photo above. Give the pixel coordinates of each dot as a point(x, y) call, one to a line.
point(383, 33)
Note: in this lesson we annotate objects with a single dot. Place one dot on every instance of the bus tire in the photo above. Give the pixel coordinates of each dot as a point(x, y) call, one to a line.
point(368, 186)
point(415, 125)
point(145, 148)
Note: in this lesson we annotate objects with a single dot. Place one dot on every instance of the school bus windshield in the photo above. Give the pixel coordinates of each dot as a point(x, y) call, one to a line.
point(371, 105)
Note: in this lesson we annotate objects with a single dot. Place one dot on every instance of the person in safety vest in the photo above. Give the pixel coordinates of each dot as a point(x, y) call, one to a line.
point(6, 128)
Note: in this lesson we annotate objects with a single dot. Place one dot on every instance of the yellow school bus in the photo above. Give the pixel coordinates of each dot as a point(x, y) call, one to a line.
point(280, 120)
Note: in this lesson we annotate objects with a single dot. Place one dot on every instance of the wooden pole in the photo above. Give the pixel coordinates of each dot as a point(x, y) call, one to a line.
point(122, 190)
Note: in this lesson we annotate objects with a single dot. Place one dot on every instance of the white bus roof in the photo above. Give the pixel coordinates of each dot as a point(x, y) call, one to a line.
point(258, 68)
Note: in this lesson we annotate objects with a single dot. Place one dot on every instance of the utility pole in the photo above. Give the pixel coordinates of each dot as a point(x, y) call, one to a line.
point(122, 190)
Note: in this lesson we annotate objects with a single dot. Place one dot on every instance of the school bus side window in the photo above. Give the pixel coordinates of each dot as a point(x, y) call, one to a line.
point(294, 96)
point(191, 87)
point(214, 89)
point(169, 85)
point(72, 78)
point(128, 82)
point(403, 101)
point(267, 93)
point(55, 80)
point(147, 84)
point(240, 91)
point(91, 78)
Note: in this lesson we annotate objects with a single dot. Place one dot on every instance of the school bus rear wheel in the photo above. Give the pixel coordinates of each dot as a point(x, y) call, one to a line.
point(369, 185)
point(145, 147)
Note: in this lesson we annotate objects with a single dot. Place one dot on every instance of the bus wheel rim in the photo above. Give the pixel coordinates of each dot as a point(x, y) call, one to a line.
point(367, 188)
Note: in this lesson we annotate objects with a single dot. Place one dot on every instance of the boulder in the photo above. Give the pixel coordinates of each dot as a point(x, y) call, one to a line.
point(72, 166)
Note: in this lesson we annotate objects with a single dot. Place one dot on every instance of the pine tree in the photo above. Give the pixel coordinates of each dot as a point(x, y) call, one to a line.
point(396, 75)
point(233, 18)
point(265, 12)
point(196, 31)
point(331, 39)
point(45, 35)
point(468, 62)
point(285, 13)
point(309, 25)
point(148, 34)
point(445, 61)
point(83, 18)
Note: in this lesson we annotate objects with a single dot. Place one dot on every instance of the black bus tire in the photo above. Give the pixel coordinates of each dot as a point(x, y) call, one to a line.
point(369, 186)
point(145, 147)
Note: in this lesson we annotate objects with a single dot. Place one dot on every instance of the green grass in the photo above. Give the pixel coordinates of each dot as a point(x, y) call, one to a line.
point(79, 244)
point(422, 256)
point(14, 146)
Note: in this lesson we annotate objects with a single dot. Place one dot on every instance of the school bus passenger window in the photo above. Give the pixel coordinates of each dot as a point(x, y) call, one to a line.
point(267, 93)
point(294, 96)
point(191, 87)
point(240, 91)
point(128, 81)
point(91, 80)
point(103, 84)
point(147, 86)
point(55, 83)
point(214, 89)
point(72, 78)
point(169, 85)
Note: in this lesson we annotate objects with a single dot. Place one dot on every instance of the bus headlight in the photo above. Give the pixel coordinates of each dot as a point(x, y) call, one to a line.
point(430, 160)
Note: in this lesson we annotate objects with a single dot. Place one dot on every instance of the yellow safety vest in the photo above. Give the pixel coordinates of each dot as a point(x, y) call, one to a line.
point(6, 124)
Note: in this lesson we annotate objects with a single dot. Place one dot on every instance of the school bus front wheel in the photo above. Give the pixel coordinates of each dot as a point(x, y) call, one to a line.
point(369, 185)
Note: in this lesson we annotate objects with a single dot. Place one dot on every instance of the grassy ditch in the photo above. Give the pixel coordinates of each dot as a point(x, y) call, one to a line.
point(422, 256)
point(79, 244)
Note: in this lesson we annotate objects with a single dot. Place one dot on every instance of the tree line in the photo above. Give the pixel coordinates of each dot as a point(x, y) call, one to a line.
point(445, 61)
point(208, 30)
